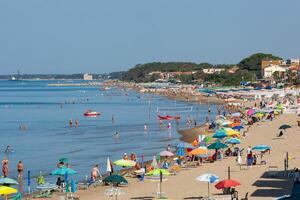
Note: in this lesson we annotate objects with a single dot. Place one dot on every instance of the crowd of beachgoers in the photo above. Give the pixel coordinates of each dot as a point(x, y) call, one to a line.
point(228, 139)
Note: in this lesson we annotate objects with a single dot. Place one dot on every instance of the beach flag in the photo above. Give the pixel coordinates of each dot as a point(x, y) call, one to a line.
point(108, 166)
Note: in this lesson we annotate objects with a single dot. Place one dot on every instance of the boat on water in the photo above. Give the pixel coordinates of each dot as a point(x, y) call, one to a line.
point(90, 113)
point(18, 78)
point(168, 117)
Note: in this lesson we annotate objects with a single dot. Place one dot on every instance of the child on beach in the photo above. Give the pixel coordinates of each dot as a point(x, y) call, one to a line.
point(20, 168)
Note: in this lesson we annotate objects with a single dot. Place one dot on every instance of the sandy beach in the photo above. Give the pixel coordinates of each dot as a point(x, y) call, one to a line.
point(184, 186)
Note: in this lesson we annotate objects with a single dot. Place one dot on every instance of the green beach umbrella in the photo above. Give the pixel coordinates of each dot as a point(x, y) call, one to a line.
point(62, 171)
point(285, 126)
point(8, 181)
point(115, 179)
point(124, 163)
point(217, 145)
point(156, 172)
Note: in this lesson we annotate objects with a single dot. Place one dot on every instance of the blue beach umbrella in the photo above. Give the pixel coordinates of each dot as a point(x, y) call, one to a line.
point(237, 127)
point(217, 145)
point(236, 114)
point(62, 171)
point(185, 145)
point(209, 178)
point(219, 134)
point(261, 148)
point(233, 141)
point(180, 152)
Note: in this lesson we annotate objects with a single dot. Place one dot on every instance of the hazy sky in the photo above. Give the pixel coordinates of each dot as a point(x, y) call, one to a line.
point(70, 36)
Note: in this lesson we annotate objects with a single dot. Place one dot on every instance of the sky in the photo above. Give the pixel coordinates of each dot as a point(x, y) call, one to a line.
point(96, 36)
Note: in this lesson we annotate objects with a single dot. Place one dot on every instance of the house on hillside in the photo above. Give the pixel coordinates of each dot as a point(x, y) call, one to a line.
point(269, 67)
point(213, 70)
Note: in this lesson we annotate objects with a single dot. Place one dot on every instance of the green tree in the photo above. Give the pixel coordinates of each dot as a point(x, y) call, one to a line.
point(253, 62)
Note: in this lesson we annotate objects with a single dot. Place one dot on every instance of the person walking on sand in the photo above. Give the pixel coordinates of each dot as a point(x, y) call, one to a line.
point(95, 173)
point(20, 169)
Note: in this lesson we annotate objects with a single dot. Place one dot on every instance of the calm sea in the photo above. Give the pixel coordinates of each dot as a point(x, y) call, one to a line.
point(45, 111)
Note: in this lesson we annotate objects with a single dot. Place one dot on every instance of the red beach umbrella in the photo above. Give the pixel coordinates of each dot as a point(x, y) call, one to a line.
point(226, 184)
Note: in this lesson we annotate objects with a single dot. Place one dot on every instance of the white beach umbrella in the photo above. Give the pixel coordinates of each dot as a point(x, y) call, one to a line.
point(209, 178)
point(108, 166)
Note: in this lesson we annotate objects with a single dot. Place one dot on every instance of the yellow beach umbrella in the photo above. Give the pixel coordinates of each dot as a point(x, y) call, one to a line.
point(231, 132)
point(7, 190)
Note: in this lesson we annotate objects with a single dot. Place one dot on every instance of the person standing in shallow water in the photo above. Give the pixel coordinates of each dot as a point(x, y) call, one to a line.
point(20, 169)
point(70, 123)
point(5, 168)
point(76, 123)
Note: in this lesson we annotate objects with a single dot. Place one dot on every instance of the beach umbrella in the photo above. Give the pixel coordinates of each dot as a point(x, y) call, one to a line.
point(166, 153)
point(237, 114)
point(4, 190)
point(157, 172)
point(261, 148)
point(125, 163)
point(237, 127)
point(180, 152)
point(64, 160)
point(231, 132)
point(185, 145)
point(217, 145)
point(219, 134)
point(209, 178)
point(115, 179)
point(250, 112)
point(199, 151)
point(8, 181)
point(225, 123)
point(108, 166)
point(207, 139)
point(154, 162)
point(62, 171)
point(233, 141)
point(227, 184)
point(285, 126)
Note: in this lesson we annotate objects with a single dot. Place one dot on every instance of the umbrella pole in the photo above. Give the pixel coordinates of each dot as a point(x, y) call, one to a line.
point(208, 189)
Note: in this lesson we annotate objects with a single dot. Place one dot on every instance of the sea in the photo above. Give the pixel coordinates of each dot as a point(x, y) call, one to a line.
point(34, 121)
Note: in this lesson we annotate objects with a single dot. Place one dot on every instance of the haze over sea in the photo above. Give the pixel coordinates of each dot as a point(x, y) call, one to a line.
point(49, 137)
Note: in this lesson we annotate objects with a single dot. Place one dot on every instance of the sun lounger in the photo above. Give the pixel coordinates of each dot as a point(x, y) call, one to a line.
point(272, 172)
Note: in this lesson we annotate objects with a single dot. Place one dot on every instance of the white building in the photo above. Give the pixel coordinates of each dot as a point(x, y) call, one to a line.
point(87, 77)
point(293, 61)
point(267, 72)
point(213, 70)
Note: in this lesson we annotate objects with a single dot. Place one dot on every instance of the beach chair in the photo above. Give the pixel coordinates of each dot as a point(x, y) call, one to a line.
point(17, 197)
